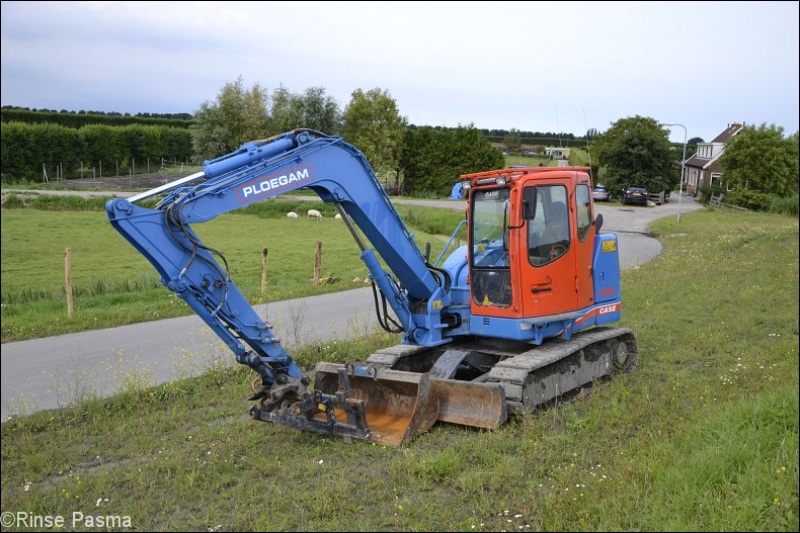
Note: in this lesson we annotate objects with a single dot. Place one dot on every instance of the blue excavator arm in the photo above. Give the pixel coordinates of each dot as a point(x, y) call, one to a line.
point(416, 291)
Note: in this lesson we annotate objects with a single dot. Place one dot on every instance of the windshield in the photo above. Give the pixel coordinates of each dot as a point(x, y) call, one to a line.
point(489, 216)
point(490, 275)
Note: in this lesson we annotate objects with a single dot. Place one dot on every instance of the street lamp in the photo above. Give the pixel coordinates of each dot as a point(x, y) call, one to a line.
point(683, 164)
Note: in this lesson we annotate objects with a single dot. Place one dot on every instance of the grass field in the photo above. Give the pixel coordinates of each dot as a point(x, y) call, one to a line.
point(113, 284)
point(702, 437)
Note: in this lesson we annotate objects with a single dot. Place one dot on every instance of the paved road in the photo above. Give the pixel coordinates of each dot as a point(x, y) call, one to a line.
point(51, 372)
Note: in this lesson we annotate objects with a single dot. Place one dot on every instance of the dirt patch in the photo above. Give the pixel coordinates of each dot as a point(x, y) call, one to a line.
point(93, 187)
point(123, 183)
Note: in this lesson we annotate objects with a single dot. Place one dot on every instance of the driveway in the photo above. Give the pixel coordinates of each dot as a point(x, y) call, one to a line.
point(53, 372)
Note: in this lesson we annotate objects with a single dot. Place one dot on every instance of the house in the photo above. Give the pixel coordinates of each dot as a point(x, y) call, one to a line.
point(703, 168)
point(524, 149)
point(501, 147)
point(557, 153)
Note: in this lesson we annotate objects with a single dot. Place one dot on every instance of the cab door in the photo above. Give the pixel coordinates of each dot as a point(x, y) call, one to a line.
point(548, 269)
point(584, 242)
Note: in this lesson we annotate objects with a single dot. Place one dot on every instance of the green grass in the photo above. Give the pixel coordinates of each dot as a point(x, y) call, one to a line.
point(114, 285)
point(703, 436)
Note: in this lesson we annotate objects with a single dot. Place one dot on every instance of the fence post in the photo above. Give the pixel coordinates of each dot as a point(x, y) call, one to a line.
point(264, 253)
point(68, 286)
point(317, 261)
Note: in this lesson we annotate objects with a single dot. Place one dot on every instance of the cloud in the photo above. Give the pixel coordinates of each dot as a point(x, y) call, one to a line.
point(565, 66)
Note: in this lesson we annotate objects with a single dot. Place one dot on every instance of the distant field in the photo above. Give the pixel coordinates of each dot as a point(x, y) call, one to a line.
point(115, 285)
point(578, 157)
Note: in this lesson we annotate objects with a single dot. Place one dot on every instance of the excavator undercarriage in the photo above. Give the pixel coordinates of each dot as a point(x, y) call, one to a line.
point(403, 390)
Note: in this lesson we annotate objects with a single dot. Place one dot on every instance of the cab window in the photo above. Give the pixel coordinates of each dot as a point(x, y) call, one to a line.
point(584, 211)
point(548, 232)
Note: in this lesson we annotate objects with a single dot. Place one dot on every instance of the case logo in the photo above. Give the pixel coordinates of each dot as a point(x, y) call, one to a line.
point(604, 310)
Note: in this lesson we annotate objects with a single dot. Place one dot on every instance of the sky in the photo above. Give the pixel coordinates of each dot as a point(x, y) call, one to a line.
point(561, 67)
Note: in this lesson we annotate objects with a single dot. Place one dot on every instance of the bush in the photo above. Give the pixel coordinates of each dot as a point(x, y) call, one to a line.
point(707, 192)
point(14, 201)
point(786, 205)
point(749, 199)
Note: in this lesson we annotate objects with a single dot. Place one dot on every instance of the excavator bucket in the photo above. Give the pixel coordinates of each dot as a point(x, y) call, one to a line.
point(401, 405)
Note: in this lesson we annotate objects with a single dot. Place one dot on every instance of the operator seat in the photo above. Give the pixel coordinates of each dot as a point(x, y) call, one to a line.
point(555, 239)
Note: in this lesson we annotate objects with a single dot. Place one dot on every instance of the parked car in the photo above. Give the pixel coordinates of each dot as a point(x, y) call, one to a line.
point(635, 194)
point(601, 194)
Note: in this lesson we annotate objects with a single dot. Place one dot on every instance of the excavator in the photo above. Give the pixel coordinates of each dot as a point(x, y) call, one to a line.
point(519, 317)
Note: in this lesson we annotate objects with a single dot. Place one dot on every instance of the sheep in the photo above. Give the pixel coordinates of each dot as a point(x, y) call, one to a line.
point(313, 213)
point(291, 214)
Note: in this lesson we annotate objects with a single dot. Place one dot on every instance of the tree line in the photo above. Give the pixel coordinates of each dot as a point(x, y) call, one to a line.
point(77, 119)
point(30, 150)
point(410, 159)
point(370, 121)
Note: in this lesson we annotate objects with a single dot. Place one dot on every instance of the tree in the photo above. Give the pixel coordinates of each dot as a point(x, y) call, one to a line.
point(469, 152)
point(313, 110)
point(422, 160)
point(762, 160)
point(286, 113)
point(320, 112)
point(373, 124)
point(238, 116)
point(637, 151)
point(433, 159)
point(512, 140)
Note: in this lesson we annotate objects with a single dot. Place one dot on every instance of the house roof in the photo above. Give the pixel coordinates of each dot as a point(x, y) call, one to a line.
point(703, 163)
point(695, 161)
point(712, 164)
point(731, 130)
